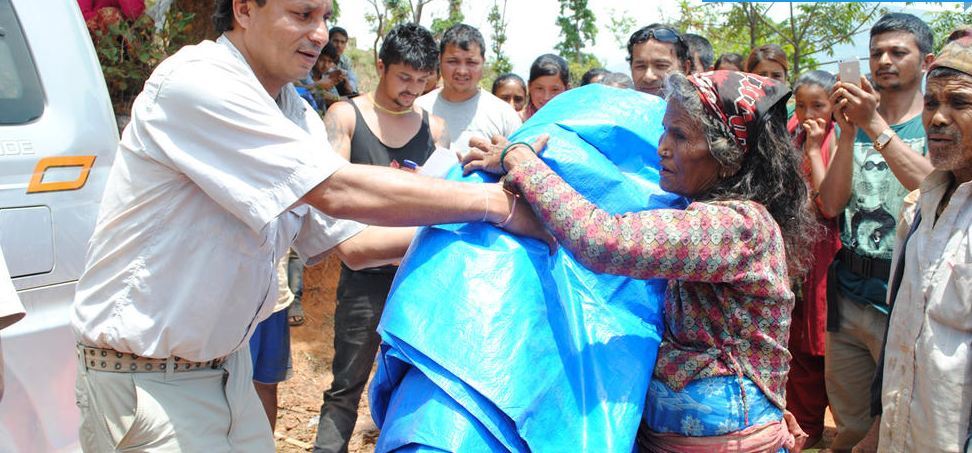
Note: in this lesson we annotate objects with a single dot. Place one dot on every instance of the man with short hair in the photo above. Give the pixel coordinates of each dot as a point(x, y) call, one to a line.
point(382, 128)
point(927, 387)
point(879, 159)
point(222, 169)
point(468, 110)
point(700, 52)
point(654, 52)
point(339, 38)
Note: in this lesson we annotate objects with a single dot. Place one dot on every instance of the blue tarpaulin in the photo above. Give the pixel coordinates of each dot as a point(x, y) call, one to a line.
point(491, 344)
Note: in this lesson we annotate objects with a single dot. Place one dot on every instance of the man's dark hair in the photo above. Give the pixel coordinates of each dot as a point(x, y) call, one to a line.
point(549, 64)
point(699, 45)
point(907, 23)
point(646, 33)
point(223, 15)
point(730, 58)
point(335, 30)
point(593, 73)
point(463, 36)
point(330, 51)
point(412, 45)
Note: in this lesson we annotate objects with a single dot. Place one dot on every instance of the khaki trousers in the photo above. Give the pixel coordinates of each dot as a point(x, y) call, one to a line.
point(191, 411)
point(849, 365)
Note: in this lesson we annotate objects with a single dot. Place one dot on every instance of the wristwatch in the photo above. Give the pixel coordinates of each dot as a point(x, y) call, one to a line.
point(882, 140)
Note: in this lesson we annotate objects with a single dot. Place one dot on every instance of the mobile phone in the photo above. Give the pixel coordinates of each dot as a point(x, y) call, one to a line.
point(850, 71)
point(409, 164)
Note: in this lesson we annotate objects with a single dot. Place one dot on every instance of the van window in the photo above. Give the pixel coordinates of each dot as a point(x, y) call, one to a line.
point(21, 99)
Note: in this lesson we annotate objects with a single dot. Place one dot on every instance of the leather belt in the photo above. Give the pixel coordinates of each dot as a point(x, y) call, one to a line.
point(865, 266)
point(99, 359)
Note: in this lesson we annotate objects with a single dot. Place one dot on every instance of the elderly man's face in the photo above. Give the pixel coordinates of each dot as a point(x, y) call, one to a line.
point(282, 39)
point(948, 123)
point(651, 62)
point(687, 165)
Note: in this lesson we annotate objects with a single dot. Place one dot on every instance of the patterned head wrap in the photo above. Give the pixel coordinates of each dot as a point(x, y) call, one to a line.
point(956, 54)
point(739, 100)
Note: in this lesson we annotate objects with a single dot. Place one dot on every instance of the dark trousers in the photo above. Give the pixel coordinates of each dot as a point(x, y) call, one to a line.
point(360, 301)
point(806, 392)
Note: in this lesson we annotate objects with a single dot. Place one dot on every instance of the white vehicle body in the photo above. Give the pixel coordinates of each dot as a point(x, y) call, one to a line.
point(57, 140)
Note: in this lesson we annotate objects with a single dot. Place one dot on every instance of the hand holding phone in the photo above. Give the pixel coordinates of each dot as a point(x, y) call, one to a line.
point(850, 71)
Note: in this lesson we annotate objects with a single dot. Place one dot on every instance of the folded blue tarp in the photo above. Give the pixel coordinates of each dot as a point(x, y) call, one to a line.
point(490, 344)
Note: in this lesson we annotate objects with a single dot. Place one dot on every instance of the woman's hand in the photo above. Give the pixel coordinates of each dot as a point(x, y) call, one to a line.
point(799, 436)
point(486, 156)
point(816, 133)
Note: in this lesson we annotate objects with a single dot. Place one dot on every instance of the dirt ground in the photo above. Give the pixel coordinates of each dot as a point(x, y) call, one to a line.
point(313, 349)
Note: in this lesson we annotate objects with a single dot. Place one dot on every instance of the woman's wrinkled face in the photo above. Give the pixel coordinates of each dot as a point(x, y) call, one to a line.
point(812, 103)
point(687, 166)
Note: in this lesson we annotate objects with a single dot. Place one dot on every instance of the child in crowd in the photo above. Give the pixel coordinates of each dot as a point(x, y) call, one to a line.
point(511, 89)
point(813, 132)
point(769, 60)
point(549, 76)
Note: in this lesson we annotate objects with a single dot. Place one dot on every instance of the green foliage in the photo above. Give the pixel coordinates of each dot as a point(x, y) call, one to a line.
point(387, 14)
point(578, 28)
point(499, 62)
point(809, 32)
point(621, 26)
point(945, 22)
point(335, 11)
point(578, 68)
point(440, 25)
point(129, 51)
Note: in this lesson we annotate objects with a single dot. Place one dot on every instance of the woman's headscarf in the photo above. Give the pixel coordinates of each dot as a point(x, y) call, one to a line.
point(739, 100)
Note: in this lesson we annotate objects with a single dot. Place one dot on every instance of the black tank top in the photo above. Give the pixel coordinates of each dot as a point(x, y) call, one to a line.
point(367, 149)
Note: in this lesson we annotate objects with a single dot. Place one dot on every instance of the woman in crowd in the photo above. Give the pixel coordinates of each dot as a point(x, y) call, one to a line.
point(813, 132)
point(722, 364)
point(729, 62)
point(512, 89)
point(768, 60)
point(549, 76)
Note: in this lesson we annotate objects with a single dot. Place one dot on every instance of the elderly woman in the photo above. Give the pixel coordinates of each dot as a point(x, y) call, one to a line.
point(720, 376)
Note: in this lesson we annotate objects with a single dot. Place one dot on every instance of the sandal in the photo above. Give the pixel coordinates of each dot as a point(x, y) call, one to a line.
point(295, 314)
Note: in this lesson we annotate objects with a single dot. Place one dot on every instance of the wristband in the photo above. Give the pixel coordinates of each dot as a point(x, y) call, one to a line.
point(509, 218)
point(507, 150)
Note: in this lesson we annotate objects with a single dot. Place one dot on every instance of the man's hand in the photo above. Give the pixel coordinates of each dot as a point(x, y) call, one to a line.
point(526, 223)
point(859, 104)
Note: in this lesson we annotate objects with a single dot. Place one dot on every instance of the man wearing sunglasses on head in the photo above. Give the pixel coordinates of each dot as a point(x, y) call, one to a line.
point(654, 52)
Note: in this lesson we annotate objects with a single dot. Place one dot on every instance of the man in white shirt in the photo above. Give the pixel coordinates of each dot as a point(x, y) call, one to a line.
point(11, 310)
point(221, 170)
point(927, 387)
point(468, 110)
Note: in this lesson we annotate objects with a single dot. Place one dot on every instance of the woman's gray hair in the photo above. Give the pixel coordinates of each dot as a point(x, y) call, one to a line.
point(722, 143)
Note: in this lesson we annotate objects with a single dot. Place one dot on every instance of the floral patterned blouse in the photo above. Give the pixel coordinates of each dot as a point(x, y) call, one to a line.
point(728, 300)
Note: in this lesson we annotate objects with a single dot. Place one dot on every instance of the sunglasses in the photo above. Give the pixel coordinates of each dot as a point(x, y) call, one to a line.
point(664, 35)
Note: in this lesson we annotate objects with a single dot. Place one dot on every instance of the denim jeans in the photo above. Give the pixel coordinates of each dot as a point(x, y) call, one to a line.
point(360, 300)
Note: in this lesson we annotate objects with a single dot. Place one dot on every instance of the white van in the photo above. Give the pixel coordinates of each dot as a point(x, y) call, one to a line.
point(57, 140)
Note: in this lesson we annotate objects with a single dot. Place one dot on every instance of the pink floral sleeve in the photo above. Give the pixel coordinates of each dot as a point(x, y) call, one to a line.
point(717, 242)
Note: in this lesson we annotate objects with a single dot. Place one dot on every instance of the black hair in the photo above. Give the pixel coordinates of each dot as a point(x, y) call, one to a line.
point(907, 23)
point(223, 15)
point(617, 80)
point(412, 45)
point(508, 77)
point(549, 64)
point(593, 73)
point(768, 174)
point(699, 45)
point(822, 79)
point(646, 33)
point(463, 36)
point(330, 51)
point(731, 58)
point(335, 30)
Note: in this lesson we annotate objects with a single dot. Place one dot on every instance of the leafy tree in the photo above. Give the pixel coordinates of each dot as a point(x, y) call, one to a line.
point(500, 63)
point(578, 28)
point(621, 26)
point(440, 25)
point(387, 14)
point(947, 21)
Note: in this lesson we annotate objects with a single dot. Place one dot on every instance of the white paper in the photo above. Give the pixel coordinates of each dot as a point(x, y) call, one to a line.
point(439, 163)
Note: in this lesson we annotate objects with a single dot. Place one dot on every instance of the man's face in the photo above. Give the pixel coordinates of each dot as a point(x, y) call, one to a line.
point(651, 62)
point(948, 124)
point(461, 69)
point(340, 43)
point(401, 83)
point(896, 62)
point(281, 39)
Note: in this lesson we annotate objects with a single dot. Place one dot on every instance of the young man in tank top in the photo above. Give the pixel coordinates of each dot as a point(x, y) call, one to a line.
point(382, 128)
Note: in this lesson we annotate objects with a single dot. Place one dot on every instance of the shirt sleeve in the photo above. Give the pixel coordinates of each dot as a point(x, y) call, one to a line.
point(228, 136)
point(11, 310)
point(320, 233)
point(707, 242)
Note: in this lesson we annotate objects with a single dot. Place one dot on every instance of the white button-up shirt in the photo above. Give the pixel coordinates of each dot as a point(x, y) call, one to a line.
point(927, 388)
point(200, 206)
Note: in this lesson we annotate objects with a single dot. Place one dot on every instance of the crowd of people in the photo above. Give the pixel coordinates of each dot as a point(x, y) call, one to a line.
point(824, 258)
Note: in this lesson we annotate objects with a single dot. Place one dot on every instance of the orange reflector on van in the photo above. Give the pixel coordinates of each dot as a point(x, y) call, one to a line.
point(37, 183)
